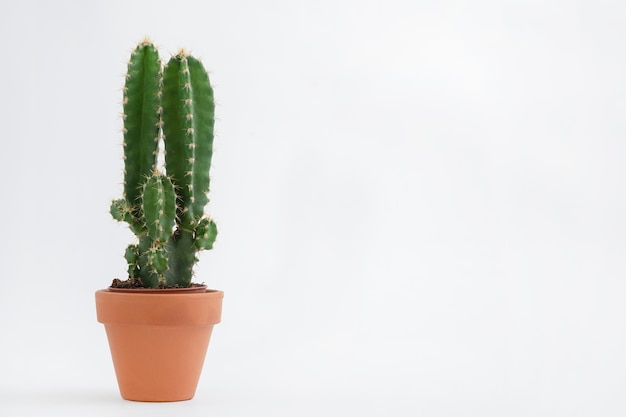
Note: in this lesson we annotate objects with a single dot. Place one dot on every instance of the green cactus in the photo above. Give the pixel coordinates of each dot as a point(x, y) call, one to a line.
point(166, 210)
point(159, 207)
point(141, 118)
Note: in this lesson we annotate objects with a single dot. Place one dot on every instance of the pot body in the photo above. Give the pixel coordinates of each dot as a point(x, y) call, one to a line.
point(158, 341)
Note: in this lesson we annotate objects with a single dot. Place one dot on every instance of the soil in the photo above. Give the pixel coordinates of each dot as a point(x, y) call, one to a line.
point(135, 283)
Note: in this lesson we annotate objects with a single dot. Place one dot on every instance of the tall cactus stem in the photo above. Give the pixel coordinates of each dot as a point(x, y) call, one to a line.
point(188, 116)
point(141, 119)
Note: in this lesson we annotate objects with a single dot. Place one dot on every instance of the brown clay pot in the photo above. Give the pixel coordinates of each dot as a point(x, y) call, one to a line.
point(158, 339)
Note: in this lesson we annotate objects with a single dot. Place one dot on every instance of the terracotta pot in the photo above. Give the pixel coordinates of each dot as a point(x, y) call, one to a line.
point(158, 339)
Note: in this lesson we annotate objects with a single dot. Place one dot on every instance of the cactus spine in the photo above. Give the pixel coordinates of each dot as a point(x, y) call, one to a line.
point(166, 212)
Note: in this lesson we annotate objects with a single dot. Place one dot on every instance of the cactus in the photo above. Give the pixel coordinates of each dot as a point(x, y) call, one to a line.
point(165, 210)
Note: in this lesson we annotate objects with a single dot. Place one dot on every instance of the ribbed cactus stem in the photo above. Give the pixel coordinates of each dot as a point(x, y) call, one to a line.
point(188, 119)
point(157, 259)
point(150, 276)
point(159, 207)
point(132, 257)
point(206, 232)
point(141, 118)
point(181, 258)
point(123, 211)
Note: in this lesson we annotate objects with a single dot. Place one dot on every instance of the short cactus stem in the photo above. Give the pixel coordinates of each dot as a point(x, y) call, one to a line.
point(206, 232)
point(159, 206)
point(132, 257)
point(157, 259)
point(165, 210)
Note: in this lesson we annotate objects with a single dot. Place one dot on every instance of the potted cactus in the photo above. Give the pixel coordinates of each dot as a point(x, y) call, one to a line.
point(157, 321)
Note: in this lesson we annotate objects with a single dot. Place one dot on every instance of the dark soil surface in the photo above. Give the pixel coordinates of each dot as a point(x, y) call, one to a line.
point(135, 283)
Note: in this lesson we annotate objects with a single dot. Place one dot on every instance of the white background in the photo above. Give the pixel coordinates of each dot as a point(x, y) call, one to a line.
point(421, 204)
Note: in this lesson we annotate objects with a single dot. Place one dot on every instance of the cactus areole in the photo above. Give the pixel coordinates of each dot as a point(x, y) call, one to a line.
point(167, 110)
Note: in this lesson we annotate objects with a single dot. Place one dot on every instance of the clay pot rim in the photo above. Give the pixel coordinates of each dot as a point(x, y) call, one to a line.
point(199, 288)
point(159, 308)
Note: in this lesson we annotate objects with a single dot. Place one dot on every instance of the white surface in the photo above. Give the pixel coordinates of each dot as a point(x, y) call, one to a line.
point(421, 205)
